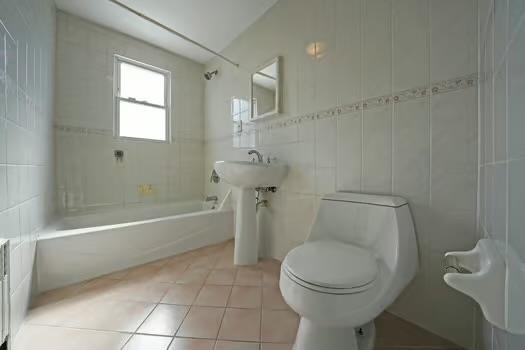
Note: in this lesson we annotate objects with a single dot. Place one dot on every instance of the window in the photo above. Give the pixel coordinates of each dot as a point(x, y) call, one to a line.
point(141, 100)
point(240, 111)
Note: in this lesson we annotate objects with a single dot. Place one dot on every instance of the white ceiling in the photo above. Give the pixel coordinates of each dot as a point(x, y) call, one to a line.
point(214, 23)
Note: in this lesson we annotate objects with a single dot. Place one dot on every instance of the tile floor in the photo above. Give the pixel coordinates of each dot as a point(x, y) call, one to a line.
point(194, 301)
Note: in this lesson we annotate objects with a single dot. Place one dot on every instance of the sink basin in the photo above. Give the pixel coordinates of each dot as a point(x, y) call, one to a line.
point(244, 174)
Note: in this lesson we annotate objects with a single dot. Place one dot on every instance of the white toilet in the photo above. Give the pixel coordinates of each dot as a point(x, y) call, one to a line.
point(360, 255)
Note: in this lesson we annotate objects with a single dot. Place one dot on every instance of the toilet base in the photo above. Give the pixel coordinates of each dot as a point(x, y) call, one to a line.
point(312, 337)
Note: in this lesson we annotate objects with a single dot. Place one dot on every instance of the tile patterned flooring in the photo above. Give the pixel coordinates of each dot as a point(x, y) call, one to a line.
point(193, 301)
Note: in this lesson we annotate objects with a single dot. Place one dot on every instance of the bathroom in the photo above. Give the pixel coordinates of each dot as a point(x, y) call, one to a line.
point(311, 174)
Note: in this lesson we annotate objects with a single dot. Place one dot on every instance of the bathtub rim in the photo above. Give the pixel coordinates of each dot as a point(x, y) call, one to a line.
point(52, 231)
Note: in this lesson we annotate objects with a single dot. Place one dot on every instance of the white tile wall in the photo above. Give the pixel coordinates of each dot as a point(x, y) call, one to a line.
point(88, 177)
point(27, 47)
point(501, 25)
point(424, 149)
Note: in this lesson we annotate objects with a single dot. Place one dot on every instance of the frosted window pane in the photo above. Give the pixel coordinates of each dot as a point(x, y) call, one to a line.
point(141, 121)
point(141, 84)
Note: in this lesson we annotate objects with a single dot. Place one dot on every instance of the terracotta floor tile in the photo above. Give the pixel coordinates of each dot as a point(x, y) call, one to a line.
point(279, 326)
point(201, 322)
point(57, 295)
point(111, 315)
point(108, 305)
point(211, 250)
point(143, 272)
point(194, 276)
point(117, 275)
point(159, 262)
point(99, 288)
point(31, 337)
point(248, 277)
point(169, 274)
point(231, 345)
point(245, 297)
point(211, 295)
point(241, 324)
point(143, 290)
point(273, 299)
point(147, 342)
point(221, 277)
point(181, 259)
point(205, 261)
point(164, 320)
point(270, 346)
point(181, 294)
point(56, 314)
point(270, 279)
point(394, 331)
point(225, 261)
point(192, 344)
point(269, 265)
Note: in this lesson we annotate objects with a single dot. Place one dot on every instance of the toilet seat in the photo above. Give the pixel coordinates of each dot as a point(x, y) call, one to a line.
point(331, 267)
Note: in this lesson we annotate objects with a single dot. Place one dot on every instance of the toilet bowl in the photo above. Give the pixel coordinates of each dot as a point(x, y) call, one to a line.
point(358, 258)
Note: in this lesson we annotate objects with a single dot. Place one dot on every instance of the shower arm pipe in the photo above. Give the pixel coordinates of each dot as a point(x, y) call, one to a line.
point(174, 32)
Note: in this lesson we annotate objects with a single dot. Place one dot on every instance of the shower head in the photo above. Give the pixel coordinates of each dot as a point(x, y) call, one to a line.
point(209, 75)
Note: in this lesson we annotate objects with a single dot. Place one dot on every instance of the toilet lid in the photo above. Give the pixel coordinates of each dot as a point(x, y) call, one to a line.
point(332, 264)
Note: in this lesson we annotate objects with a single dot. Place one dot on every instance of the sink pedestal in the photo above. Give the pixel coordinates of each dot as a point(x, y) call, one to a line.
point(246, 176)
point(246, 250)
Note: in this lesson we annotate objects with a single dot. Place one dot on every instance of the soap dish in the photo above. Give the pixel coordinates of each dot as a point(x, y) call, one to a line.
point(481, 273)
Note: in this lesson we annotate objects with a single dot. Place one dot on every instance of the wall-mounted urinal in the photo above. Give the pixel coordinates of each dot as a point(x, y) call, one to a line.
point(483, 274)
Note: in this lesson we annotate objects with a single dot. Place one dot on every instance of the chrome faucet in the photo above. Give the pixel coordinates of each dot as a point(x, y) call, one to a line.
point(259, 156)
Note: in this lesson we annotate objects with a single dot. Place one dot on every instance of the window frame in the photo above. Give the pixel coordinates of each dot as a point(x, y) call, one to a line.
point(241, 122)
point(118, 60)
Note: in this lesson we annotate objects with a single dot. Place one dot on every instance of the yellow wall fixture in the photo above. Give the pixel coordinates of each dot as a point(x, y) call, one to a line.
point(316, 49)
point(146, 189)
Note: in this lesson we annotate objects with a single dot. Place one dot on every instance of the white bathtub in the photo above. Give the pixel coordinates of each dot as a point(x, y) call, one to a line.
point(80, 247)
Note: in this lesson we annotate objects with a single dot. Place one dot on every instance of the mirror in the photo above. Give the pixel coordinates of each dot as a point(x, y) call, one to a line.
point(265, 86)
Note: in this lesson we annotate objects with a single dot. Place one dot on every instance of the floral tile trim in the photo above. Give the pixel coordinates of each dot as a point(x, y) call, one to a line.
point(380, 101)
point(82, 130)
point(105, 132)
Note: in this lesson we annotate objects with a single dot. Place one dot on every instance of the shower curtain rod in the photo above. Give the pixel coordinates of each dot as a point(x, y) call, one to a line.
point(172, 31)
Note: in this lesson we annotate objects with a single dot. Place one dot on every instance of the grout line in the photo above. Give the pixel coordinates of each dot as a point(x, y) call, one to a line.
point(392, 112)
point(180, 325)
point(430, 98)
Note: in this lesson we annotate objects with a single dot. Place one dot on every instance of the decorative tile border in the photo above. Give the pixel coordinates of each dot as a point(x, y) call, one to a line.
point(109, 133)
point(380, 101)
point(82, 130)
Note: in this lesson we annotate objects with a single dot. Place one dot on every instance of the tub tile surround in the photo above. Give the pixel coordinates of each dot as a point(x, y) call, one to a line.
point(176, 313)
point(389, 107)
point(501, 26)
point(88, 177)
point(27, 41)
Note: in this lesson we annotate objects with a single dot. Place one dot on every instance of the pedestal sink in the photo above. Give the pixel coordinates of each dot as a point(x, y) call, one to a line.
point(246, 177)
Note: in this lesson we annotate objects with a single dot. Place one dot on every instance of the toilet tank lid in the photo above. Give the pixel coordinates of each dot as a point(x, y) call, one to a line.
point(374, 199)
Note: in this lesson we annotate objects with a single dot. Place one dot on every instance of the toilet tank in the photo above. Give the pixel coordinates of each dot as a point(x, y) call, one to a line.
point(380, 223)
